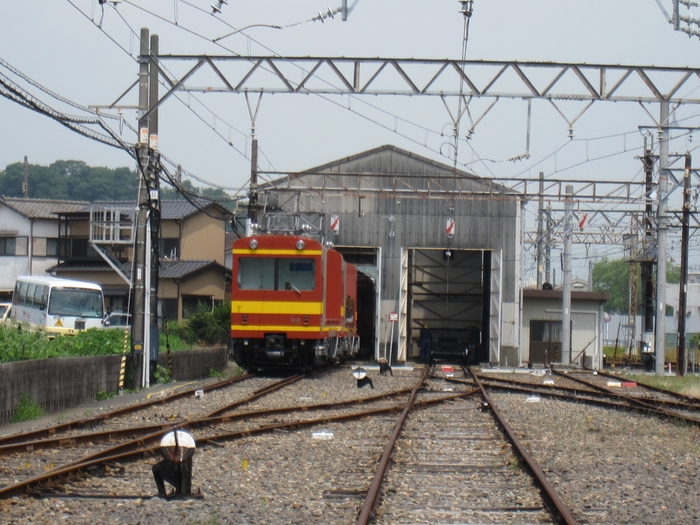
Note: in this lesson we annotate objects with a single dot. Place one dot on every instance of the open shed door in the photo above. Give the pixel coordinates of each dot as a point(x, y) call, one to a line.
point(495, 309)
point(403, 307)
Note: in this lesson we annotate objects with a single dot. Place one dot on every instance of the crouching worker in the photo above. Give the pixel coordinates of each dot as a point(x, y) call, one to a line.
point(177, 449)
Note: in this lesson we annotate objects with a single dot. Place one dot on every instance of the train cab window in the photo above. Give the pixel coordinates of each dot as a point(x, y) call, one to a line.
point(256, 273)
point(284, 273)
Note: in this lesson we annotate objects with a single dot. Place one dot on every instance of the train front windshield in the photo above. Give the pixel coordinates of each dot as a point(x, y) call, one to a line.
point(76, 303)
point(282, 273)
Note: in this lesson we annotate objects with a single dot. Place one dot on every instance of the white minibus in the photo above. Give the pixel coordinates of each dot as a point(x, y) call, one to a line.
point(56, 306)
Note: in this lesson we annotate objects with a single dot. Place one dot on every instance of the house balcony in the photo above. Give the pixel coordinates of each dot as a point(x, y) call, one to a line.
point(112, 225)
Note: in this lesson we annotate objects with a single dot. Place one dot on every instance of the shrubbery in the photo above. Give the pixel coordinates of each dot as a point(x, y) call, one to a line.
point(19, 346)
point(205, 328)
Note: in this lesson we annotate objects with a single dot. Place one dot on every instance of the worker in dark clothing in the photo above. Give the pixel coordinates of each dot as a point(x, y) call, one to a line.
point(179, 475)
point(177, 448)
point(426, 340)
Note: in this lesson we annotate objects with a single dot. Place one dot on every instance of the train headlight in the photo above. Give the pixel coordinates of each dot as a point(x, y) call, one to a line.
point(253, 244)
point(301, 244)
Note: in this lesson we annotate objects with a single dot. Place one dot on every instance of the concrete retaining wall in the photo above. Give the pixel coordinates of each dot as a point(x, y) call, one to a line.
point(57, 384)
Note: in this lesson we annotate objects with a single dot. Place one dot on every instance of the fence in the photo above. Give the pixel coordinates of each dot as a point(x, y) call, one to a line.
point(58, 384)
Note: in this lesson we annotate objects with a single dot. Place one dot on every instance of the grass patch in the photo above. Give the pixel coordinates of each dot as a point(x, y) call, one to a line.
point(27, 410)
point(101, 396)
point(688, 385)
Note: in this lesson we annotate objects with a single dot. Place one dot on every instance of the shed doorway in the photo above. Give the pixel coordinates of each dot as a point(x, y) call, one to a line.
point(448, 290)
point(545, 342)
point(365, 260)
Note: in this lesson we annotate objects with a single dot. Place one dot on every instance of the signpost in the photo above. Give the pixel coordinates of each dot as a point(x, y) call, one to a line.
point(393, 318)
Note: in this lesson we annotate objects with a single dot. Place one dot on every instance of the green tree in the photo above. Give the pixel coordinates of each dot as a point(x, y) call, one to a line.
point(673, 274)
point(75, 180)
point(613, 277)
point(70, 180)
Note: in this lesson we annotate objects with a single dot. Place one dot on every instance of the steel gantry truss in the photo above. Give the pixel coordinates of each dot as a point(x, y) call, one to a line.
point(551, 81)
point(557, 83)
point(433, 77)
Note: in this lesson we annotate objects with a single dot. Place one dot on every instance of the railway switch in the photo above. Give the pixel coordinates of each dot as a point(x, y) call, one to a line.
point(177, 449)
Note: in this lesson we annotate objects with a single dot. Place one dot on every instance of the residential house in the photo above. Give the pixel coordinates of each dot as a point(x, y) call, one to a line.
point(29, 238)
point(190, 248)
point(93, 242)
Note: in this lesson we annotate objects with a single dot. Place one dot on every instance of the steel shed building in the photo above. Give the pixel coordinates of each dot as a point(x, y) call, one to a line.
point(436, 246)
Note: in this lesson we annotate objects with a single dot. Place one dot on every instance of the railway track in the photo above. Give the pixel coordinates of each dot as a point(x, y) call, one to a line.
point(321, 450)
point(458, 462)
point(75, 447)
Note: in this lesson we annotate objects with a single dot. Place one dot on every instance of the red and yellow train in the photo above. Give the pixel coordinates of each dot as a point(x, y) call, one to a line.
point(293, 304)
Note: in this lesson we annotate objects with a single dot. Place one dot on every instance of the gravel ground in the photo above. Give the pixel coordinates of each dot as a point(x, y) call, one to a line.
point(609, 467)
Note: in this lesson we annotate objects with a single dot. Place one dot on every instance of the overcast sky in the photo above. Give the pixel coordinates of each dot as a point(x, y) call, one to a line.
point(87, 53)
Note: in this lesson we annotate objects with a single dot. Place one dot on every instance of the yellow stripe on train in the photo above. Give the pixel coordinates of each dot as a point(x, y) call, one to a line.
point(276, 307)
point(292, 328)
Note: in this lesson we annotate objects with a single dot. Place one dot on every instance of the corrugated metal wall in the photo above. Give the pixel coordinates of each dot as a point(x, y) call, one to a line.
point(393, 199)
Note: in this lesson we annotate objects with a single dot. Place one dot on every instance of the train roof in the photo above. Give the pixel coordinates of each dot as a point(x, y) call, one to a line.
point(277, 242)
point(58, 282)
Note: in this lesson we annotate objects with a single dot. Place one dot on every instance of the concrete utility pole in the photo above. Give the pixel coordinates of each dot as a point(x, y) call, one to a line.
point(683, 292)
point(648, 256)
point(548, 249)
point(566, 291)
point(662, 225)
point(540, 233)
point(25, 183)
point(144, 337)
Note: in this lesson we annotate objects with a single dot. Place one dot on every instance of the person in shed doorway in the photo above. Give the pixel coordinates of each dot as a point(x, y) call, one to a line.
point(426, 340)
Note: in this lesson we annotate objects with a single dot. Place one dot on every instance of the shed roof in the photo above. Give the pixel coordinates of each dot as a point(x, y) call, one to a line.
point(533, 293)
point(389, 160)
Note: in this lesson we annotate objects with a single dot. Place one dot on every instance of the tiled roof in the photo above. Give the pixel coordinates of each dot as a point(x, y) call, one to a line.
point(180, 269)
point(168, 269)
point(179, 209)
point(88, 267)
point(43, 208)
point(182, 209)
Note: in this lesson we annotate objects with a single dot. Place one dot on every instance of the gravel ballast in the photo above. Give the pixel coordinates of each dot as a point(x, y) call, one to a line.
point(609, 467)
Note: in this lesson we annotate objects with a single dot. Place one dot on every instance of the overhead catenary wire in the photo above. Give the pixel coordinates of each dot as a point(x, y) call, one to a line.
point(419, 143)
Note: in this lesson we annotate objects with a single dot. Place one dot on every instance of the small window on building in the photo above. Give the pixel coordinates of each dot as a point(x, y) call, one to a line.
point(169, 310)
point(44, 247)
point(39, 247)
point(52, 247)
point(191, 303)
point(7, 245)
point(169, 248)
